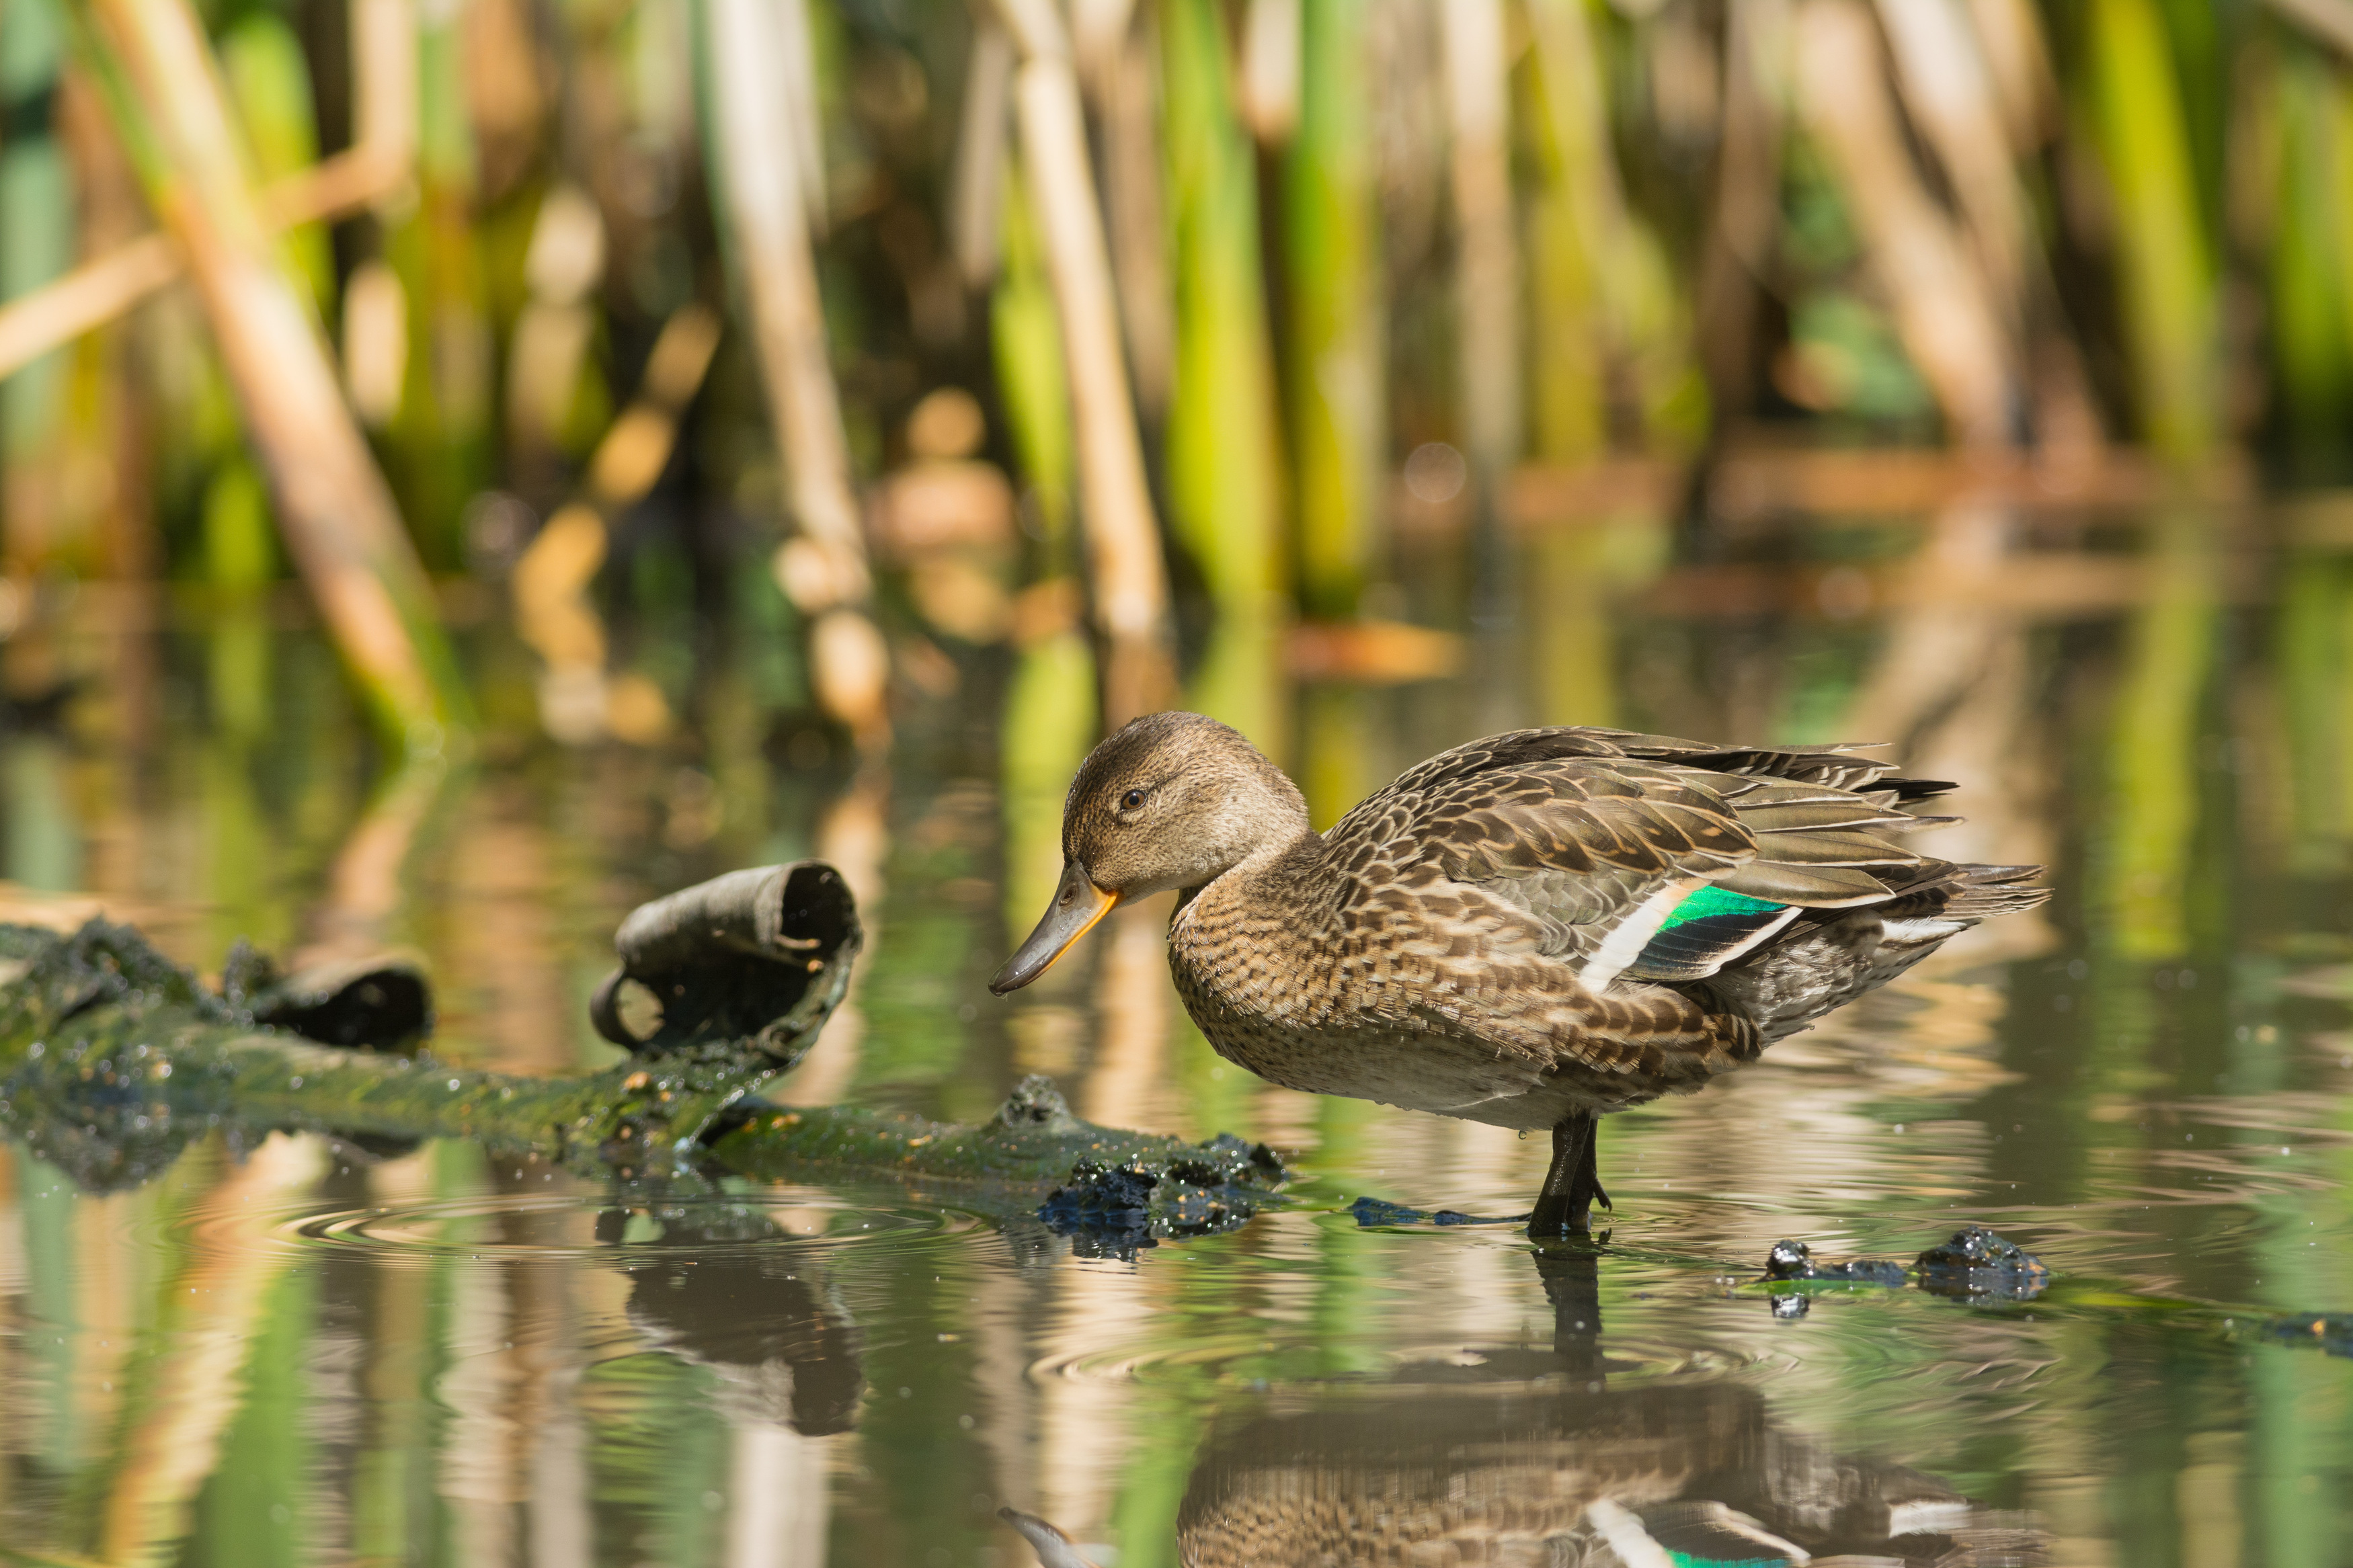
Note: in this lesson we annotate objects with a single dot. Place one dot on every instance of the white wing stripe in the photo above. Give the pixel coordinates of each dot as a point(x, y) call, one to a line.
point(1627, 940)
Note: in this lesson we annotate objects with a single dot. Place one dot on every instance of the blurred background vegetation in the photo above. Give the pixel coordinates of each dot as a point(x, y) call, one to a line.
point(699, 411)
point(727, 377)
point(830, 340)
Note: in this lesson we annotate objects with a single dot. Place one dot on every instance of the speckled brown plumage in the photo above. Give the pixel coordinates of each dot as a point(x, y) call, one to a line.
point(1472, 939)
point(1426, 950)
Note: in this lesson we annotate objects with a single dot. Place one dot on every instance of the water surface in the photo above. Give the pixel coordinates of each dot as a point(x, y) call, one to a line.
point(298, 1351)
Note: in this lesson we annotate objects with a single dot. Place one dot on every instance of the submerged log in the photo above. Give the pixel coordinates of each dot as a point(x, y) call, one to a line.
point(112, 1057)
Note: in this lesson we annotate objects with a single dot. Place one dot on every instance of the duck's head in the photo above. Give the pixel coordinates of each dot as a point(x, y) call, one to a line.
point(1173, 800)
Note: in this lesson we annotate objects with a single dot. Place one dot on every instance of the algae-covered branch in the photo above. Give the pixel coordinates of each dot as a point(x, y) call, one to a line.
point(112, 1057)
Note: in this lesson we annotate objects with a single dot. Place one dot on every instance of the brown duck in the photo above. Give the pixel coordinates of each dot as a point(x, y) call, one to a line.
point(1529, 931)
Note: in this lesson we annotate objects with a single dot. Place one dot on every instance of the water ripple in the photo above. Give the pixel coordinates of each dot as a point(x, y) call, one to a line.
point(534, 1227)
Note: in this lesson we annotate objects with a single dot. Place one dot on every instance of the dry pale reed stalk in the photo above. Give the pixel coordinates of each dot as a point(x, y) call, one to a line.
point(97, 292)
point(759, 126)
point(1952, 97)
point(335, 509)
point(1487, 266)
point(375, 168)
point(2330, 21)
point(978, 183)
point(1123, 551)
point(1944, 312)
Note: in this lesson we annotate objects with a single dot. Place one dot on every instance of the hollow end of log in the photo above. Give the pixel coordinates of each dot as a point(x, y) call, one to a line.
point(745, 956)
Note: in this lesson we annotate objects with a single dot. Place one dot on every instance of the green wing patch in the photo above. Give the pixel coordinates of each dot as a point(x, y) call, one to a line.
point(1714, 900)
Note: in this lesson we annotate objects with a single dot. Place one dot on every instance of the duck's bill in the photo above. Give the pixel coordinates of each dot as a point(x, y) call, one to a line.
point(1078, 904)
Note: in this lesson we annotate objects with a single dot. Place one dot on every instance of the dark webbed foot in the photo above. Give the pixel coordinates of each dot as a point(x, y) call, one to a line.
point(1573, 1185)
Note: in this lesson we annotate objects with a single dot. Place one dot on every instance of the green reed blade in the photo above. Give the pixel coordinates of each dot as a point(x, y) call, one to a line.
point(1335, 304)
point(1026, 339)
point(1223, 458)
point(270, 82)
point(1049, 724)
point(2143, 868)
point(2310, 336)
point(2166, 274)
point(37, 232)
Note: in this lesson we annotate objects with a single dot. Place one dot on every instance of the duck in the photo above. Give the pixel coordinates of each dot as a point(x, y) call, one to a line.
point(1531, 930)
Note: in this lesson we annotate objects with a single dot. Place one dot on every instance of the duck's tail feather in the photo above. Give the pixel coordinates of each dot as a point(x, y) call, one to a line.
point(1836, 766)
point(1826, 958)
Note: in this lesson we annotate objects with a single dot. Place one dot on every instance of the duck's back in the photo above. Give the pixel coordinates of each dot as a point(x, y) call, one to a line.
point(1575, 918)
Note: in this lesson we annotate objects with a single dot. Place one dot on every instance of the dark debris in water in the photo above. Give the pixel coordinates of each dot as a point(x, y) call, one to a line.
point(1106, 1211)
point(753, 959)
point(2332, 1331)
point(1113, 1209)
point(1130, 1201)
point(1371, 1212)
point(1977, 1264)
point(1795, 1261)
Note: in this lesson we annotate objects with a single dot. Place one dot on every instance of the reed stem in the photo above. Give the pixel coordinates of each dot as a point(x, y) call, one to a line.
point(1949, 325)
point(1123, 548)
point(1224, 467)
point(334, 507)
point(2166, 272)
point(757, 127)
point(1331, 257)
point(1487, 263)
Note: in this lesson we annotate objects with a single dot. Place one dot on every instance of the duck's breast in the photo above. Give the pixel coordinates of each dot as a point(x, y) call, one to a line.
point(1283, 994)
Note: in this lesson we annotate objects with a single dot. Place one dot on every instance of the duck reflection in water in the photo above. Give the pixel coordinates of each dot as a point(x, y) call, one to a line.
point(1528, 1457)
point(1521, 1457)
point(1623, 1478)
point(1530, 930)
point(706, 1291)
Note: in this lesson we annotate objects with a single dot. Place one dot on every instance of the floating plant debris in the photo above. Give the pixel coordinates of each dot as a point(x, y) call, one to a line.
point(1794, 1260)
point(1114, 1208)
point(2332, 1331)
point(1979, 1262)
point(1375, 1212)
point(1975, 1263)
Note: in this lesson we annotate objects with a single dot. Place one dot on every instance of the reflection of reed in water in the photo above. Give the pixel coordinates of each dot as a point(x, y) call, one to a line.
point(1950, 691)
point(174, 1424)
point(1131, 1000)
point(367, 890)
point(507, 976)
point(854, 836)
point(2142, 861)
point(1086, 1452)
point(497, 1365)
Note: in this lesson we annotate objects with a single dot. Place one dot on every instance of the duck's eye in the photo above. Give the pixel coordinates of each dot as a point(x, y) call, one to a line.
point(1130, 800)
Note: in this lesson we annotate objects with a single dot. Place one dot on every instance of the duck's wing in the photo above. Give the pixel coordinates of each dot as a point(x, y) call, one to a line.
point(1627, 852)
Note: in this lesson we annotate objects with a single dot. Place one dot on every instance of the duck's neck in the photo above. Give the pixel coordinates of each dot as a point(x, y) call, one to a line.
point(1275, 851)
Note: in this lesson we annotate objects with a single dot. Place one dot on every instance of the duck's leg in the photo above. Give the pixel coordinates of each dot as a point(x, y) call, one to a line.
point(1573, 1185)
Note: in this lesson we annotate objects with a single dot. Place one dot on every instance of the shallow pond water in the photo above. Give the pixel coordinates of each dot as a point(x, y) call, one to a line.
point(298, 1351)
